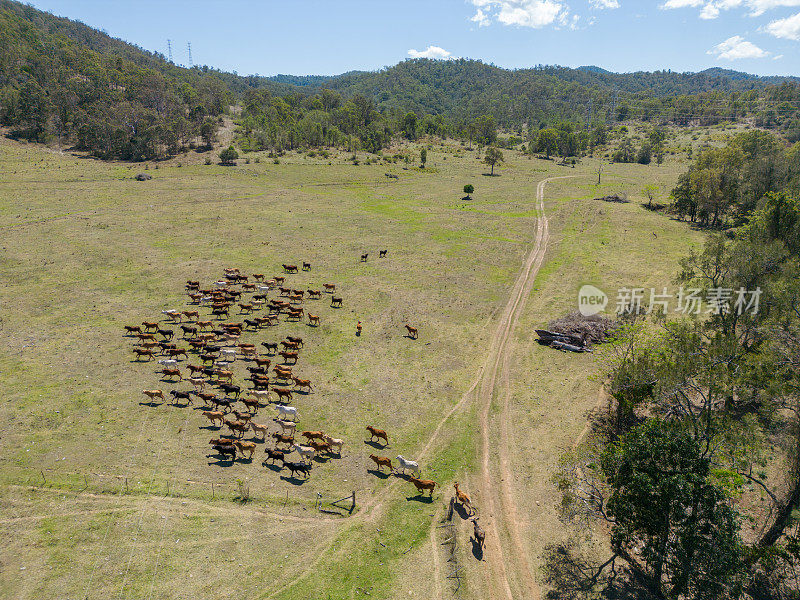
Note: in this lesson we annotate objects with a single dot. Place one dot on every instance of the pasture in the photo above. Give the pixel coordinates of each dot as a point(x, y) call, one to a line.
point(104, 496)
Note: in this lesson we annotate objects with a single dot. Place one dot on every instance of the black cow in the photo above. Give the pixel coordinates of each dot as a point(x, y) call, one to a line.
point(298, 467)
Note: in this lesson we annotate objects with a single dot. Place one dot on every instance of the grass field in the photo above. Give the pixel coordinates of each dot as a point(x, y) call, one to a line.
point(105, 497)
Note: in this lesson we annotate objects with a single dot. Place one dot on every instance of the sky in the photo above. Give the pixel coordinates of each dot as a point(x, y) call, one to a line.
point(328, 37)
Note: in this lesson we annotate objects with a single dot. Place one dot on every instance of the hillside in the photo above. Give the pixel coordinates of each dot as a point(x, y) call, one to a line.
point(63, 80)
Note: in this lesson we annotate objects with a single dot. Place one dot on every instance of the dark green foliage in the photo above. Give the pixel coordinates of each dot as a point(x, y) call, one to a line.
point(664, 502)
point(59, 78)
point(492, 157)
point(229, 155)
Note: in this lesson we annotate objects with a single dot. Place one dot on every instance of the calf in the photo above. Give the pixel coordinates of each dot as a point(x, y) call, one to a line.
point(382, 253)
point(306, 266)
point(364, 257)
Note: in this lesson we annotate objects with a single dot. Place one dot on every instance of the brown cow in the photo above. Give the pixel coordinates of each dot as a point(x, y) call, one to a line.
point(140, 352)
point(245, 447)
point(236, 426)
point(287, 356)
point(329, 287)
point(148, 325)
point(463, 499)
point(313, 435)
point(314, 294)
point(296, 340)
point(377, 433)
point(313, 320)
point(145, 336)
point(205, 324)
point(412, 332)
point(214, 416)
point(258, 428)
point(129, 329)
point(290, 268)
point(336, 301)
point(153, 394)
point(290, 345)
point(320, 446)
point(304, 383)
point(191, 314)
point(382, 461)
point(283, 439)
point(283, 394)
point(423, 484)
point(173, 352)
point(170, 373)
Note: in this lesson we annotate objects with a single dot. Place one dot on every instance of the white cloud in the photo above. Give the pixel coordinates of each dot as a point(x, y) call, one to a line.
point(601, 4)
point(780, 56)
point(481, 18)
point(524, 13)
point(429, 52)
point(712, 8)
point(736, 48)
point(788, 28)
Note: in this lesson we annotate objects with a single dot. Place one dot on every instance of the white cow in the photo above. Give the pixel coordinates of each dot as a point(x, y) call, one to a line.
point(260, 394)
point(289, 426)
point(287, 411)
point(305, 451)
point(408, 464)
point(228, 354)
point(168, 362)
point(334, 443)
point(263, 289)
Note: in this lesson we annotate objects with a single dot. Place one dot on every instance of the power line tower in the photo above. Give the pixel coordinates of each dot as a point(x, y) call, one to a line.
point(191, 64)
point(169, 49)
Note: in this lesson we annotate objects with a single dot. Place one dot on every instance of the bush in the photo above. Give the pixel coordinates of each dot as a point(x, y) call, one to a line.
point(208, 161)
point(229, 155)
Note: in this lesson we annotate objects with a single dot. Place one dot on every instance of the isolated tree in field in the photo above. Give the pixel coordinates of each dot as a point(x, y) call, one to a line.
point(650, 191)
point(423, 157)
point(468, 189)
point(485, 130)
point(492, 157)
point(229, 155)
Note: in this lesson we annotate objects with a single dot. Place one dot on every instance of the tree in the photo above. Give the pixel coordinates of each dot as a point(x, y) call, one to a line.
point(485, 130)
point(492, 157)
point(649, 191)
point(468, 189)
point(423, 157)
point(645, 154)
point(664, 502)
point(409, 126)
point(229, 155)
point(547, 141)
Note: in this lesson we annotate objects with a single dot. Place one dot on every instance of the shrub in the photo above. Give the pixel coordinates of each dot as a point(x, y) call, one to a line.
point(228, 156)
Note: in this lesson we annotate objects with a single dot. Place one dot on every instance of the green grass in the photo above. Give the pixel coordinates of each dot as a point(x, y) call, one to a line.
point(87, 249)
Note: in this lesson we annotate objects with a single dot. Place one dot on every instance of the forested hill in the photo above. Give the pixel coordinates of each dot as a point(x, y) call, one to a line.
point(60, 79)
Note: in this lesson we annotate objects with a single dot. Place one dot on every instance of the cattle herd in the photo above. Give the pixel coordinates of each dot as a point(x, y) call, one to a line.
point(212, 343)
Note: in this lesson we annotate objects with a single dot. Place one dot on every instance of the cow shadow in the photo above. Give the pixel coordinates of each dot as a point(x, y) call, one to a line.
point(321, 459)
point(222, 462)
point(376, 445)
point(211, 427)
point(420, 498)
point(151, 404)
point(462, 512)
point(294, 480)
point(379, 474)
point(277, 468)
point(477, 550)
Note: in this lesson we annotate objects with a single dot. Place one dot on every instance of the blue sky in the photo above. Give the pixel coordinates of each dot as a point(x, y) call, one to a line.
point(334, 36)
